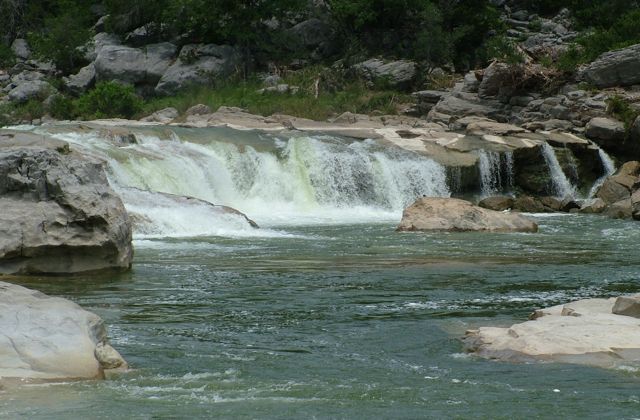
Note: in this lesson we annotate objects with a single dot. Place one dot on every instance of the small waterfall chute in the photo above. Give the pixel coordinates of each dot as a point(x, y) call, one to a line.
point(609, 169)
point(496, 172)
point(562, 187)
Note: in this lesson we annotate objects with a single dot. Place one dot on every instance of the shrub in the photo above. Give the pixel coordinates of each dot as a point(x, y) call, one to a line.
point(620, 108)
point(109, 100)
point(62, 108)
point(7, 57)
point(501, 48)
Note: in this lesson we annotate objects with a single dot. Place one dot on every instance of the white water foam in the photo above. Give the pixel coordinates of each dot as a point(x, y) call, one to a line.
point(291, 181)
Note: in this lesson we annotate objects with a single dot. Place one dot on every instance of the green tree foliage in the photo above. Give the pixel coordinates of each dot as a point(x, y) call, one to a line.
point(57, 28)
point(109, 100)
point(436, 31)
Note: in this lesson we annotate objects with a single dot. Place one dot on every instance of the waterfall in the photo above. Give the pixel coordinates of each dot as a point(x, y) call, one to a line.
point(496, 172)
point(276, 180)
point(562, 187)
point(609, 169)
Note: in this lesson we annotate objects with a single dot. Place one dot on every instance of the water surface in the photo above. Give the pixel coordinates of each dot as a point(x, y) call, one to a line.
point(344, 321)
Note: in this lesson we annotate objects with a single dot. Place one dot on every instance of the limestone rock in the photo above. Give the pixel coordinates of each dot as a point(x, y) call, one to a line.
point(614, 68)
point(134, 65)
point(579, 332)
point(164, 116)
point(30, 90)
point(450, 214)
point(628, 306)
point(199, 64)
point(99, 41)
point(21, 49)
point(620, 209)
point(82, 81)
point(59, 214)
point(528, 204)
point(497, 203)
point(51, 339)
point(397, 73)
point(497, 80)
point(596, 205)
point(199, 109)
point(605, 131)
point(313, 35)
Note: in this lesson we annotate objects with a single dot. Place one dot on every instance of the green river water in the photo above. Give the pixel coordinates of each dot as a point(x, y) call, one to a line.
point(344, 321)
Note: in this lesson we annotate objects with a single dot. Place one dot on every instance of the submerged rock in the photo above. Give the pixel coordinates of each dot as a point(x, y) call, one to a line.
point(50, 338)
point(590, 331)
point(59, 214)
point(451, 214)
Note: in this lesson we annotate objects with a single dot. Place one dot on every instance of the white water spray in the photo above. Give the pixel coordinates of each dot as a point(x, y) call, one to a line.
point(275, 181)
point(562, 187)
point(496, 172)
point(609, 169)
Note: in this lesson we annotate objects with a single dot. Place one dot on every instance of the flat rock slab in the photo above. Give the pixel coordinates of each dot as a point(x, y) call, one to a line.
point(584, 331)
point(50, 338)
point(452, 214)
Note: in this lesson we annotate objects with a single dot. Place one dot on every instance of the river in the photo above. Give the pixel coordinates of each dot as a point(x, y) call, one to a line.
point(326, 311)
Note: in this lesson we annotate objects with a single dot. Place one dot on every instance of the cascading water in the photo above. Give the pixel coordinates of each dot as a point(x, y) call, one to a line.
point(276, 181)
point(496, 172)
point(609, 168)
point(562, 187)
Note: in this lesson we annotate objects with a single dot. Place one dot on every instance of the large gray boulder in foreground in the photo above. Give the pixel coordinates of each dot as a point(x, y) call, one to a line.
point(58, 213)
point(50, 338)
point(599, 332)
point(452, 214)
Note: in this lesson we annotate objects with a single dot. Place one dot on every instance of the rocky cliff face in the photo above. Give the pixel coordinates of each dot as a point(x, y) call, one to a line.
point(59, 214)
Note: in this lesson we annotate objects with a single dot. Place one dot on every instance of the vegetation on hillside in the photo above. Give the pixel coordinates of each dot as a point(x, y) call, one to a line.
point(455, 35)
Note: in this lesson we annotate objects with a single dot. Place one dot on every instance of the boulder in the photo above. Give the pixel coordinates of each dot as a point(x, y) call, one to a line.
point(199, 109)
point(134, 65)
point(199, 64)
point(627, 305)
point(21, 49)
point(596, 205)
point(59, 214)
point(497, 80)
point(528, 204)
point(622, 209)
point(164, 116)
point(82, 81)
point(313, 35)
point(584, 332)
point(99, 41)
point(451, 214)
point(398, 74)
point(497, 203)
point(37, 89)
point(614, 68)
point(50, 338)
point(611, 191)
point(605, 131)
point(635, 205)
